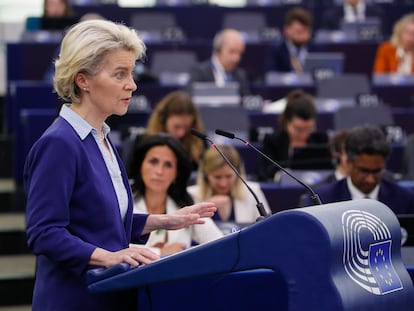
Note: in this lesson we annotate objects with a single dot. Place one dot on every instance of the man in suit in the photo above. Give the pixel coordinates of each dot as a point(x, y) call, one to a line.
point(367, 150)
point(350, 11)
point(228, 49)
point(290, 54)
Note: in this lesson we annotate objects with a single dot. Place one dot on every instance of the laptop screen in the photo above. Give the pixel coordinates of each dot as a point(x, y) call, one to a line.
point(57, 23)
point(407, 228)
point(317, 156)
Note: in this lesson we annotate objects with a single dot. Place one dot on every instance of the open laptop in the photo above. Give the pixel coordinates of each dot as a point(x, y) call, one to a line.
point(407, 226)
point(332, 61)
point(57, 23)
point(311, 157)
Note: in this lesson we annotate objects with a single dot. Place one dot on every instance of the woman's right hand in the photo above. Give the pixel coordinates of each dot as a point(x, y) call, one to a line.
point(133, 255)
point(224, 205)
point(221, 201)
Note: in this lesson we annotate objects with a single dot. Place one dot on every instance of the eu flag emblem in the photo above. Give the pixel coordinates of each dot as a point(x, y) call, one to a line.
point(382, 268)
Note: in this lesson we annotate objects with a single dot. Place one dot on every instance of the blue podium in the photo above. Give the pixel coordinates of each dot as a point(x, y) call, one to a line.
point(339, 256)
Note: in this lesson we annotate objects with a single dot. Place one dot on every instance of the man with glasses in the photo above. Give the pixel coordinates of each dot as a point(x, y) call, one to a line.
point(367, 150)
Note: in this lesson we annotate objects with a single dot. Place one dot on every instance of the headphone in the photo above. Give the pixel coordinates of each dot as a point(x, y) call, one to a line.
point(163, 116)
point(217, 42)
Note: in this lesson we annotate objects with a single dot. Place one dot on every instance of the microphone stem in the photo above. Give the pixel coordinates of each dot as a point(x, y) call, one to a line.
point(259, 205)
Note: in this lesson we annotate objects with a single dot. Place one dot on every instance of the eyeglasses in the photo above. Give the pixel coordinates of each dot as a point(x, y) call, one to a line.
point(364, 172)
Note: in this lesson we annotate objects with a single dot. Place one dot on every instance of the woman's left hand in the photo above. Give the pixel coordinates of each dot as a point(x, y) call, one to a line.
point(203, 209)
point(182, 218)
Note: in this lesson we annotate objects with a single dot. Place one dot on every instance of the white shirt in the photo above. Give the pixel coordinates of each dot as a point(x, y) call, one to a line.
point(300, 53)
point(356, 194)
point(350, 15)
point(83, 128)
point(197, 233)
point(218, 72)
point(245, 210)
point(405, 61)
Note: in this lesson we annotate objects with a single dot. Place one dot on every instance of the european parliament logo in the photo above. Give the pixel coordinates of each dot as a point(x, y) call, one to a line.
point(367, 253)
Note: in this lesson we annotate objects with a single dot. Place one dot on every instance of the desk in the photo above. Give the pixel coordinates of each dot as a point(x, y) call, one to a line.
point(35, 94)
point(402, 116)
point(203, 21)
point(359, 57)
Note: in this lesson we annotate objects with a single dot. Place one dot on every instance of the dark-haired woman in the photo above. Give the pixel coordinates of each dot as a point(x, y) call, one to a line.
point(160, 169)
point(297, 129)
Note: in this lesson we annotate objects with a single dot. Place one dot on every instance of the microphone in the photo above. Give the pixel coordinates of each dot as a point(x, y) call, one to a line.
point(259, 204)
point(314, 196)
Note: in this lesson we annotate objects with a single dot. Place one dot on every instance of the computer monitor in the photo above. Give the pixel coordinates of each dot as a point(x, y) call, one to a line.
point(318, 61)
point(57, 23)
point(311, 157)
point(407, 228)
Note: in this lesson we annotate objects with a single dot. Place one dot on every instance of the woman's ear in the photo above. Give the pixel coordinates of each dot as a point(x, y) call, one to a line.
point(81, 81)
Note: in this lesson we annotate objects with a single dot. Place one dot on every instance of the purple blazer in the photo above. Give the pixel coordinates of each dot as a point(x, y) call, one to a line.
point(71, 209)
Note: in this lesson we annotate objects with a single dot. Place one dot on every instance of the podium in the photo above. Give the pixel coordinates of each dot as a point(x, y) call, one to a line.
point(338, 256)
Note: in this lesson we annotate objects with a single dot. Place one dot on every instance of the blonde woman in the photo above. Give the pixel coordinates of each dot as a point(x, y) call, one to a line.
point(397, 54)
point(217, 182)
point(79, 212)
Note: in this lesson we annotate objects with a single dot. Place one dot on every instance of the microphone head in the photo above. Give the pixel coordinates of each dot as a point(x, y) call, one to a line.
point(198, 134)
point(225, 133)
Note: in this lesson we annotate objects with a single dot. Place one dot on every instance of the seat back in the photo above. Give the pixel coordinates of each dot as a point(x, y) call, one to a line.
point(229, 118)
point(348, 117)
point(209, 94)
point(156, 26)
point(172, 67)
point(342, 86)
point(250, 24)
point(318, 61)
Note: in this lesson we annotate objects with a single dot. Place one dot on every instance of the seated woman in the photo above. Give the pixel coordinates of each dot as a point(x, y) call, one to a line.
point(176, 114)
point(217, 182)
point(160, 169)
point(397, 54)
point(298, 129)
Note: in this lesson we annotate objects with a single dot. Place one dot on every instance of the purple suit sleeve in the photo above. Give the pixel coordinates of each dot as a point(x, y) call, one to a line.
point(138, 224)
point(50, 180)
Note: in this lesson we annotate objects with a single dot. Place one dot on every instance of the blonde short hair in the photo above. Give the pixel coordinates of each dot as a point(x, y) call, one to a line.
point(213, 161)
point(398, 28)
point(83, 49)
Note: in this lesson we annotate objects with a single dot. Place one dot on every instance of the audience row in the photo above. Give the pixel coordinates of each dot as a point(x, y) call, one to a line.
point(289, 55)
point(81, 212)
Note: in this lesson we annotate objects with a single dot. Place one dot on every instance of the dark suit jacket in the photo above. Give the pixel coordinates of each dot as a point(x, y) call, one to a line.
point(332, 17)
point(396, 197)
point(278, 58)
point(72, 208)
point(276, 147)
point(203, 72)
